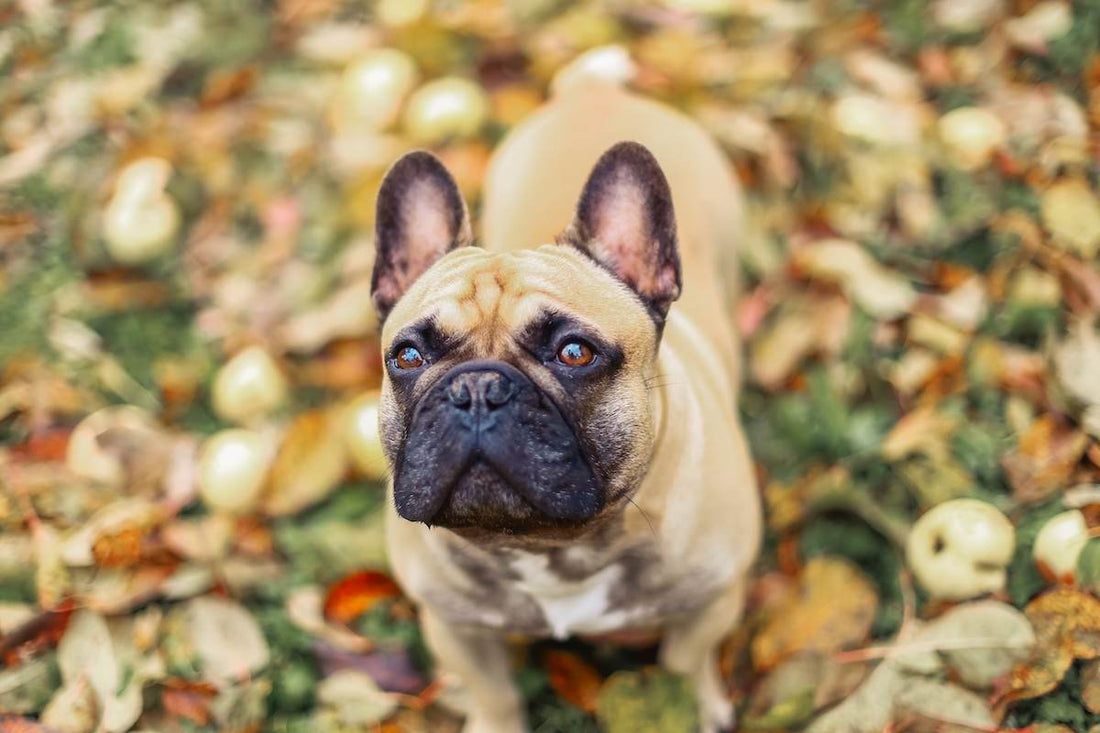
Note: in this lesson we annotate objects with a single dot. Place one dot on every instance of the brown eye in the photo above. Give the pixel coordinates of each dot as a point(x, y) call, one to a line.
point(408, 357)
point(576, 354)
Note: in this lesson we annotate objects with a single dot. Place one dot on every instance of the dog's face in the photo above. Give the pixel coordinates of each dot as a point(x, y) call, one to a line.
point(515, 397)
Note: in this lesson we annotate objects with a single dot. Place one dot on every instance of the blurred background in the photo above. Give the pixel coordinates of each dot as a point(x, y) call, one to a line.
point(190, 480)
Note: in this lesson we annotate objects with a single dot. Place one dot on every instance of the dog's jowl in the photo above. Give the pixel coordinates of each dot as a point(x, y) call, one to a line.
point(559, 406)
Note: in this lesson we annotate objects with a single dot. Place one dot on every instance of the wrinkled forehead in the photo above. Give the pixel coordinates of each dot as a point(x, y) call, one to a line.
point(481, 295)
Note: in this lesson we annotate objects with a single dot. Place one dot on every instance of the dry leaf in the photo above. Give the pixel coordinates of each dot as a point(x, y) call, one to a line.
point(868, 709)
point(576, 681)
point(353, 699)
point(880, 291)
point(188, 700)
point(226, 639)
point(356, 594)
point(1071, 213)
point(1077, 360)
point(1044, 459)
point(35, 635)
point(1000, 637)
point(943, 702)
point(833, 609)
point(88, 652)
point(305, 609)
point(1067, 627)
point(309, 465)
point(72, 709)
point(1090, 685)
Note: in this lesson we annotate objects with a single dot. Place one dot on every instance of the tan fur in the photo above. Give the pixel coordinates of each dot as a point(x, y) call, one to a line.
point(676, 556)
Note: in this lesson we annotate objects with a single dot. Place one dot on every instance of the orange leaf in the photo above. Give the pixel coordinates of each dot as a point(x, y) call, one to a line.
point(1044, 459)
point(356, 594)
point(1067, 627)
point(45, 445)
point(119, 549)
point(15, 724)
point(188, 700)
point(575, 681)
point(41, 632)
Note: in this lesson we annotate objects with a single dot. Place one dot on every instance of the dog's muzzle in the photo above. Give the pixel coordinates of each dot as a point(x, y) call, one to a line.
point(486, 448)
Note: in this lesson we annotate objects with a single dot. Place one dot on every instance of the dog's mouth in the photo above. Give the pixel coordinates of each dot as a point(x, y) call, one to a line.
point(482, 497)
point(512, 467)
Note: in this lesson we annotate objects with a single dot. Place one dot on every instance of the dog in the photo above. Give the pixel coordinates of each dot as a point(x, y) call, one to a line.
point(559, 404)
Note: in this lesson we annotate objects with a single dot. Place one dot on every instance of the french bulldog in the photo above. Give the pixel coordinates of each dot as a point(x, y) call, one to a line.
point(559, 403)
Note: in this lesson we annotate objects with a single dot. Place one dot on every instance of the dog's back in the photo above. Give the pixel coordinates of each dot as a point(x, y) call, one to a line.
point(538, 171)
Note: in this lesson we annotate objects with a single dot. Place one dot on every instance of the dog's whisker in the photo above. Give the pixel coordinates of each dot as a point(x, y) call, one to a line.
point(660, 385)
point(645, 516)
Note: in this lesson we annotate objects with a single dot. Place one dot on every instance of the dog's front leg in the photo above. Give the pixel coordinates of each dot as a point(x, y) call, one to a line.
point(691, 648)
point(479, 659)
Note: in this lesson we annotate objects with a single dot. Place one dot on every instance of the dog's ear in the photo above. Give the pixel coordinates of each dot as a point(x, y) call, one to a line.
point(626, 223)
point(420, 217)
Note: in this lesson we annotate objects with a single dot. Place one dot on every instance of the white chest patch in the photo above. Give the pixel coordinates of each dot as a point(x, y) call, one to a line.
point(569, 607)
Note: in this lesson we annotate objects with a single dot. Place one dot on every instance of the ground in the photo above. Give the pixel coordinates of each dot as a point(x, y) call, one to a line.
point(190, 185)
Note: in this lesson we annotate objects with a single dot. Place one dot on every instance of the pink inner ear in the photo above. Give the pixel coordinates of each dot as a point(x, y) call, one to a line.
point(622, 233)
point(427, 222)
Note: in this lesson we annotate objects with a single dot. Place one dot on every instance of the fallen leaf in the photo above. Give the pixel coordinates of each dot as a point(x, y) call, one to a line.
point(309, 465)
point(15, 724)
point(305, 609)
point(356, 594)
point(1088, 566)
point(573, 679)
point(999, 634)
point(1067, 627)
point(1044, 459)
point(943, 702)
point(880, 291)
point(833, 609)
point(72, 709)
point(116, 532)
point(35, 635)
point(1077, 360)
point(226, 639)
point(813, 325)
point(1090, 685)
point(88, 652)
point(1071, 214)
point(243, 706)
point(353, 699)
point(650, 701)
point(786, 698)
point(188, 700)
point(867, 710)
point(924, 430)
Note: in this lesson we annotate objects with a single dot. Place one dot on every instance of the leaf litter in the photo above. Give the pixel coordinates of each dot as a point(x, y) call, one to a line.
point(921, 294)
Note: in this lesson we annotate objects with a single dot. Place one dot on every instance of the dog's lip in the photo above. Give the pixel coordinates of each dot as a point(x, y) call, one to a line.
point(477, 457)
point(443, 495)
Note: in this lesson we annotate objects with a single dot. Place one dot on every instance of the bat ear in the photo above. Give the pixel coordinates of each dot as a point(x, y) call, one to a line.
point(625, 221)
point(420, 217)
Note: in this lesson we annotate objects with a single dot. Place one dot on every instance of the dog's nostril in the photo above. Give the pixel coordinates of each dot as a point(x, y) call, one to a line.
point(459, 393)
point(480, 391)
point(499, 391)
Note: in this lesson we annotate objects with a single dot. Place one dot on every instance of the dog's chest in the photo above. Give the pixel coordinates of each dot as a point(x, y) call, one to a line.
point(588, 605)
point(576, 590)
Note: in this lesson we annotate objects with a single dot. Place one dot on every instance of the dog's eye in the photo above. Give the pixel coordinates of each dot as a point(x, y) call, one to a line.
point(408, 357)
point(576, 353)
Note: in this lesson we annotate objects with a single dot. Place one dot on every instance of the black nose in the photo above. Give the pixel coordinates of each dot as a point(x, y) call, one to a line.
point(480, 391)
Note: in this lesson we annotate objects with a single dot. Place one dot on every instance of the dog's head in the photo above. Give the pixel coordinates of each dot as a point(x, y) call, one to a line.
point(515, 396)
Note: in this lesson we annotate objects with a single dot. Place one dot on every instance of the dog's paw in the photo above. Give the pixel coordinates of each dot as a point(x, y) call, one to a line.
point(717, 715)
point(475, 724)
